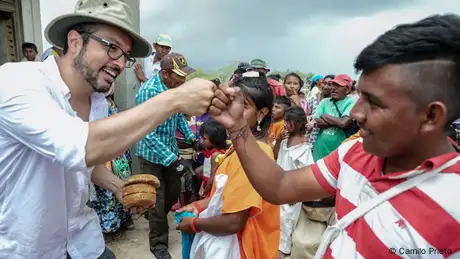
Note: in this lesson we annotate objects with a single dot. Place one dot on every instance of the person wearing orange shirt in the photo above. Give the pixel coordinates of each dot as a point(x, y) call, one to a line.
point(241, 214)
point(280, 104)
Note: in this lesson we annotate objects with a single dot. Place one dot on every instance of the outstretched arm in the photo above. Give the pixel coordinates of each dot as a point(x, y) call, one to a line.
point(270, 181)
point(273, 183)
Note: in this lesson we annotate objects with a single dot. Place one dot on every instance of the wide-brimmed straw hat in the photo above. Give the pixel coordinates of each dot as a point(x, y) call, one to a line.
point(111, 12)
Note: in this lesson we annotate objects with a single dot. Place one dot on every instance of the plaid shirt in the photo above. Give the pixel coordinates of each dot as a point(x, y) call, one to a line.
point(160, 145)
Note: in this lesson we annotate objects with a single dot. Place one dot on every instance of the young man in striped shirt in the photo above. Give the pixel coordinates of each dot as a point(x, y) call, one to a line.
point(410, 87)
point(159, 152)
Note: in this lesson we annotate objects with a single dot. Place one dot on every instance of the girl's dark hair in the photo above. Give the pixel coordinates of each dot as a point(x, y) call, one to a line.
point(297, 115)
point(283, 100)
point(259, 92)
point(215, 132)
point(83, 28)
point(301, 82)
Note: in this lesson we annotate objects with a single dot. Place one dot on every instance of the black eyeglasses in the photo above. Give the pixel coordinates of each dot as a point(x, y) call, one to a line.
point(114, 51)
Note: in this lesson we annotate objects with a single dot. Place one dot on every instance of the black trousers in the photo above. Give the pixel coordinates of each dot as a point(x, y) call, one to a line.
point(167, 196)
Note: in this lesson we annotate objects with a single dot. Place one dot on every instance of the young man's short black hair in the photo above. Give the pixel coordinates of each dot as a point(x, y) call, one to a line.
point(283, 100)
point(29, 45)
point(430, 52)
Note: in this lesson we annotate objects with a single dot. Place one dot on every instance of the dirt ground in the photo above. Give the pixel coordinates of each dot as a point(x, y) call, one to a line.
point(135, 243)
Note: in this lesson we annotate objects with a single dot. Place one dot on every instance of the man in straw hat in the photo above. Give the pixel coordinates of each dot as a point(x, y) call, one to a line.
point(51, 144)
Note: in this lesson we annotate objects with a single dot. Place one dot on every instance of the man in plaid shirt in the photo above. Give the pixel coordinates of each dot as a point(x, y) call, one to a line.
point(159, 152)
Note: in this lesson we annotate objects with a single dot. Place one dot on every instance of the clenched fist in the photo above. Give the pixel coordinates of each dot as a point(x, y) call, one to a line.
point(195, 96)
point(227, 107)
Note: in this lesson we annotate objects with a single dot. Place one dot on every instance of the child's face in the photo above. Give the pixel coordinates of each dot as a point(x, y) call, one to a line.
point(206, 142)
point(292, 85)
point(289, 126)
point(277, 112)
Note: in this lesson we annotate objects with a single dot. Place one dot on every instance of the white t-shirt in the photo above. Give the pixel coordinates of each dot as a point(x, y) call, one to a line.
point(43, 175)
point(150, 68)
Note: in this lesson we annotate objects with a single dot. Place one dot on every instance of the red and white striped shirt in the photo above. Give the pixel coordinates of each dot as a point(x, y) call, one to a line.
point(423, 222)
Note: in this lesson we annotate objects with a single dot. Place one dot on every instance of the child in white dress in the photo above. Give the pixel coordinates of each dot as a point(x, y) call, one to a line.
point(293, 153)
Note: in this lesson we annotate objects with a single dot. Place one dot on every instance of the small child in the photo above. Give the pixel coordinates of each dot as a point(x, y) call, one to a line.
point(214, 141)
point(280, 104)
point(294, 152)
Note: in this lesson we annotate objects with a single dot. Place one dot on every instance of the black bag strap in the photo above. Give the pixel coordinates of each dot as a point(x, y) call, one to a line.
point(337, 107)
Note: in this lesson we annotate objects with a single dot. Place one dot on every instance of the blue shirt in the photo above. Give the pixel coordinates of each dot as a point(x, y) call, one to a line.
point(160, 145)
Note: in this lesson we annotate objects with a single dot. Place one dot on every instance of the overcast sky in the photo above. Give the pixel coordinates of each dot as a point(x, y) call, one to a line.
point(319, 36)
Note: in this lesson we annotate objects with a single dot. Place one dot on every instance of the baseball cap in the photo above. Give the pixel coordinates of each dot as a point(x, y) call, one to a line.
point(343, 80)
point(164, 40)
point(259, 63)
point(316, 78)
point(116, 13)
point(176, 62)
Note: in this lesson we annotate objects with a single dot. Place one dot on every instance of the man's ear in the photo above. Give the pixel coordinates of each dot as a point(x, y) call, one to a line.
point(74, 41)
point(164, 74)
point(434, 117)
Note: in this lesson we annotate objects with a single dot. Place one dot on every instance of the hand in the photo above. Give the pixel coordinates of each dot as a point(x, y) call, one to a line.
point(194, 157)
point(285, 134)
point(227, 107)
point(189, 208)
point(185, 225)
point(295, 99)
point(194, 96)
point(196, 145)
point(311, 125)
point(179, 166)
point(136, 210)
point(139, 72)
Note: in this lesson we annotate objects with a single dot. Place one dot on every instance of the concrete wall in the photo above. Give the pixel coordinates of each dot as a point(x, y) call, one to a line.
point(32, 26)
point(127, 84)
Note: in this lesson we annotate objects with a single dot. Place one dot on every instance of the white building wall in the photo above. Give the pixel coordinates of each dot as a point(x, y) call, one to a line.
point(127, 84)
point(32, 26)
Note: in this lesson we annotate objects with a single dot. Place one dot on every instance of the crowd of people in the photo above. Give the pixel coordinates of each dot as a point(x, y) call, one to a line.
point(263, 166)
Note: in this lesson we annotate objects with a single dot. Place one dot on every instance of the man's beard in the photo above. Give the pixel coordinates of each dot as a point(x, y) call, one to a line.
point(89, 75)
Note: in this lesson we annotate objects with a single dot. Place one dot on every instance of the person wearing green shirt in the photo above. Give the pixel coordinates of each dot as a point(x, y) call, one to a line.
point(333, 117)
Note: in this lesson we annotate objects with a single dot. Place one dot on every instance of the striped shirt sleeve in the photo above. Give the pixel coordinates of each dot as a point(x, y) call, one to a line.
point(326, 171)
point(184, 128)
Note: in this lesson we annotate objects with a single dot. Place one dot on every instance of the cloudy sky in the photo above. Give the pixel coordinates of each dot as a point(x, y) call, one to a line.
point(319, 36)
